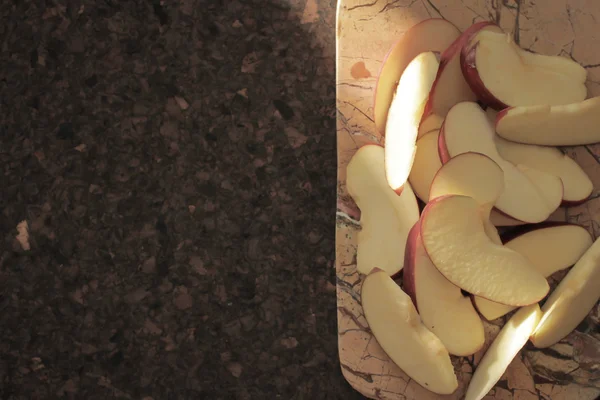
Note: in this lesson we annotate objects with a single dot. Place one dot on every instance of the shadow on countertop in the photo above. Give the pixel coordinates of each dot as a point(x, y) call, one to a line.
point(175, 164)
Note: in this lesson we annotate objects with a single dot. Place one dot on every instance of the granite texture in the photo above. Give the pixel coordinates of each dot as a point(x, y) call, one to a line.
point(175, 166)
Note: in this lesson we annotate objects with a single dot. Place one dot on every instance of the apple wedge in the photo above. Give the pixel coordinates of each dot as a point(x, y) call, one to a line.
point(498, 218)
point(386, 218)
point(504, 75)
point(404, 116)
point(571, 301)
point(454, 237)
point(473, 175)
point(562, 125)
point(433, 34)
point(426, 165)
point(576, 184)
point(430, 124)
point(396, 325)
point(550, 247)
point(548, 185)
point(511, 338)
point(450, 87)
point(467, 129)
point(441, 305)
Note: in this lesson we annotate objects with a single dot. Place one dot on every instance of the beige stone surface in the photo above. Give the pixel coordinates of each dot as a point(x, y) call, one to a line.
point(366, 29)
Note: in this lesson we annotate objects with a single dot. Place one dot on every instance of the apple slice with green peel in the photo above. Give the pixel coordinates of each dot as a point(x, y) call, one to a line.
point(454, 237)
point(473, 175)
point(404, 116)
point(396, 325)
point(576, 184)
point(467, 129)
point(433, 34)
point(563, 125)
point(512, 337)
point(450, 87)
point(386, 218)
point(502, 75)
point(441, 305)
point(426, 165)
point(498, 218)
point(571, 301)
point(550, 247)
point(550, 186)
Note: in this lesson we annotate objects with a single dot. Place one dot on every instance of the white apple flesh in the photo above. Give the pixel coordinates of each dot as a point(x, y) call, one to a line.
point(433, 34)
point(454, 237)
point(563, 125)
point(426, 165)
point(404, 116)
point(548, 185)
point(511, 338)
point(571, 301)
point(396, 325)
point(386, 218)
point(441, 304)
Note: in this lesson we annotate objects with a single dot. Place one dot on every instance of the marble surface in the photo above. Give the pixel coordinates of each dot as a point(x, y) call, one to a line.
point(175, 166)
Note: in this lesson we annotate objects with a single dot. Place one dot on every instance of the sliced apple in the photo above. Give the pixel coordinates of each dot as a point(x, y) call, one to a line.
point(404, 117)
point(549, 247)
point(429, 124)
point(503, 75)
point(571, 301)
point(548, 185)
point(511, 338)
point(563, 125)
point(473, 175)
point(426, 165)
point(453, 234)
point(433, 34)
point(396, 325)
point(576, 184)
point(498, 218)
point(450, 87)
point(441, 305)
point(467, 129)
point(386, 218)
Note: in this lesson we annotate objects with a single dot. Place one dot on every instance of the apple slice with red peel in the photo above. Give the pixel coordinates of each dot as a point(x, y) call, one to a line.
point(441, 305)
point(430, 124)
point(571, 301)
point(396, 325)
point(473, 175)
point(511, 338)
point(550, 186)
point(433, 34)
point(503, 75)
point(450, 87)
point(426, 165)
point(550, 247)
point(453, 234)
point(386, 218)
point(576, 184)
point(563, 125)
point(467, 129)
point(498, 218)
point(404, 117)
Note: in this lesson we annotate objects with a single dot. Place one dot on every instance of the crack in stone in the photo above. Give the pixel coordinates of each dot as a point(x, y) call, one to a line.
point(354, 319)
point(363, 375)
point(516, 34)
point(436, 9)
point(345, 286)
point(354, 85)
point(363, 5)
point(359, 110)
point(388, 6)
point(592, 154)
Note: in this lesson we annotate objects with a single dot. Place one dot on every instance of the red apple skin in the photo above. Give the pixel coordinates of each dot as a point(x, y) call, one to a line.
point(448, 54)
point(409, 263)
point(442, 148)
point(523, 229)
point(469, 70)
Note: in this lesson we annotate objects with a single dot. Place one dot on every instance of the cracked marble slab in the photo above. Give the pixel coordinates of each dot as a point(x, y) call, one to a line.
point(366, 29)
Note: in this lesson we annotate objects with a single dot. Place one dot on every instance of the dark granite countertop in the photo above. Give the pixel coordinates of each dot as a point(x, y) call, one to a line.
point(174, 163)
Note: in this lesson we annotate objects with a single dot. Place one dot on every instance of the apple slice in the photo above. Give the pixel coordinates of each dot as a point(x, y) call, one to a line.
point(563, 125)
point(548, 185)
point(386, 218)
point(503, 75)
point(441, 305)
point(498, 218)
point(476, 176)
point(571, 301)
point(511, 338)
point(396, 325)
point(576, 184)
point(433, 34)
point(450, 87)
point(426, 165)
point(467, 129)
point(549, 247)
point(404, 117)
point(430, 124)
point(453, 234)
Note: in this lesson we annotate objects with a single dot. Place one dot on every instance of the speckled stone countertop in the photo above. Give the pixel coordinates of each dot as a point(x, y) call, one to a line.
point(174, 163)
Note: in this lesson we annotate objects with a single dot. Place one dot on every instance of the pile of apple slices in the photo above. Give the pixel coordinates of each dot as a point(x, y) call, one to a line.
point(476, 169)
